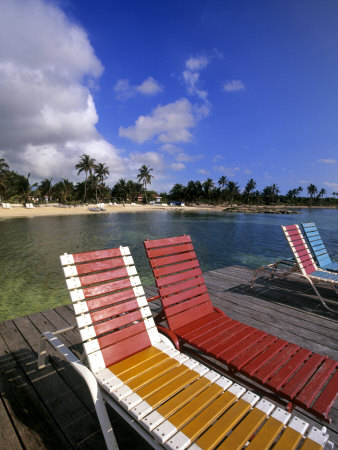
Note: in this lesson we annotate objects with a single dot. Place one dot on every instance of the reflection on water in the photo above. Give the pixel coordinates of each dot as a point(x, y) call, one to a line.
point(31, 278)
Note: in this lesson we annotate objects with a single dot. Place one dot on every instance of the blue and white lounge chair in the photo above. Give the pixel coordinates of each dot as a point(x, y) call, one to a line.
point(318, 248)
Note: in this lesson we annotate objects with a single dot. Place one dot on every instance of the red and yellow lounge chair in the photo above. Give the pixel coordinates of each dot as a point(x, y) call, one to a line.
point(172, 400)
point(296, 374)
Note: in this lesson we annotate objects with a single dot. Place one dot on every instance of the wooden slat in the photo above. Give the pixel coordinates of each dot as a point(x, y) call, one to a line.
point(185, 317)
point(172, 259)
point(150, 244)
point(185, 295)
point(164, 283)
point(164, 251)
point(241, 360)
point(260, 360)
point(327, 398)
point(96, 255)
point(99, 266)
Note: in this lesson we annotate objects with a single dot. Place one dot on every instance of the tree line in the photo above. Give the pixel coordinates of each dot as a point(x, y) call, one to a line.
point(16, 188)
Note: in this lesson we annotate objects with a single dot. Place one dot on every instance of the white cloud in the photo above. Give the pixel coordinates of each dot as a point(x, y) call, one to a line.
point(198, 63)
point(328, 161)
point(178, 166)
point(233, 85)
point(333, 186)
point(169, 124)
point(227, 171)
point(125, 90)
point(202, 171)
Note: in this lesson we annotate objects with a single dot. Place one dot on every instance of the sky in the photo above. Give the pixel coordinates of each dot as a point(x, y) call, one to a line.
point(194, 89)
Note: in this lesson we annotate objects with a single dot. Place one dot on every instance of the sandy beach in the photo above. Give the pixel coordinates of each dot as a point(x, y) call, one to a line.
point(51, 210)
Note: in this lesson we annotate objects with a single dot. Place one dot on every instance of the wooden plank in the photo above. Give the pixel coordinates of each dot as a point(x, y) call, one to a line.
point(8, 438)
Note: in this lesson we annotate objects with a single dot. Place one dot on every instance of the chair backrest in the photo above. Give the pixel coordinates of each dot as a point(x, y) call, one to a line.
point(299, 249)
point(316, 244)
point(179, 280)
point(110, 307)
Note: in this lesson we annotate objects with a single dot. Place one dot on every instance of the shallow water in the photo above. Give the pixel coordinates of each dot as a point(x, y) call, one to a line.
point(31, 278)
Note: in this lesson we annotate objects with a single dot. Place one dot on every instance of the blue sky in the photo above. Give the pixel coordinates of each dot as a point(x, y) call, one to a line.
point(192, 88)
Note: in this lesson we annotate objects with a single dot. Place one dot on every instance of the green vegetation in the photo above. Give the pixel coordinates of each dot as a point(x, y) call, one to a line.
point(17, 188)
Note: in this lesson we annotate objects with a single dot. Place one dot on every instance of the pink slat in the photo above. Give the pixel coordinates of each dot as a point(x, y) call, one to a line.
point(239, 362)
point(131, 345)
point(312, 389)
point(262, 359)
point(275, 363)
point(165, 251)
point(119, 335)
point(285, 373)
point(192, 314)
point(99, 265)
point(173, 259)
point(100, 254)
point(229, 354)
point(107, 300)
point(184, 306)
point(115, 310)
point(174, 268)
point(106, 288)
point(167, 241)
point(327, 398)
point(296, 383)
point(117, 322)
point(185, 295)
point(228, 343)
point(100, 277)
point(189, 279)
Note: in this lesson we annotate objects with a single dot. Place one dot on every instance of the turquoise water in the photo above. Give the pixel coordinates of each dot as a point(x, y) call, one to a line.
point(31, 278)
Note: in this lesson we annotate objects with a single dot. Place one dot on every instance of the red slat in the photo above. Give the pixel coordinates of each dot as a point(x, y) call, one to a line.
point(275, 363)
point(195, 328)
point(242, 346)
point(106, 288)
point(181, 319)
point(313, 387)
point(230, 329)
point(172, 259)
point(191, 278)
point(100, 265)
point(327, 398)
point(163, 251)
point(296, 383)
point(117, 322)
point(101, 277)
point(120, 335)
point(242, 334)
point(213, 332)
point(166, 241)
point(131, 345)
point(310, 269)
point(115, 310)
point(264, 357)
point(184, 306)
point(174, 268)
point(100, 254)
point(101, 302)
point(290, 227)
point(185, 295)
point(251, 353)
point(285, 373)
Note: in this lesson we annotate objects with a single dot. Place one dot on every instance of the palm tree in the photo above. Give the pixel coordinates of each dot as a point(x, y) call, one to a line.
point(25, 189)
point(101, 172)
point(46, 188)
point(208, 186)
point(321, 193)
point(3, 165)
point(312, 190)
point(233, 190)
point(222, 182)
point(249, 188)
point(144, 176)
point(86, 165)
point(120, 189)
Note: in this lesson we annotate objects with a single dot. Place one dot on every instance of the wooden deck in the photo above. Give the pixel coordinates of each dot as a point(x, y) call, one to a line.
point(51, 408)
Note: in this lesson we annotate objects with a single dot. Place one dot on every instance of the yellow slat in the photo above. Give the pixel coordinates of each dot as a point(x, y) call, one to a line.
point(266, 435)
point(179, 400)
point(162, 381)
point(147, 365)
point(224, 424)
point(150, 375)
point(134, 360)
point(289, 439)
point(185, 414)
point(309, 444)
point(244, 431)
point(206, 417)
point(172, 388)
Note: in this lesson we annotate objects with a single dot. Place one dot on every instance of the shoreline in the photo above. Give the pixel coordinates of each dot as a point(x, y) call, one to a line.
point(19, 211)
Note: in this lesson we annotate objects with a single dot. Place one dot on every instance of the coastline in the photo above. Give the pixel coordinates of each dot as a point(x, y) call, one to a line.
point(19, 211)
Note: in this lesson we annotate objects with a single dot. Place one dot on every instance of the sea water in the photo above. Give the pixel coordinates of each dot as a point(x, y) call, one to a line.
point(31, 278)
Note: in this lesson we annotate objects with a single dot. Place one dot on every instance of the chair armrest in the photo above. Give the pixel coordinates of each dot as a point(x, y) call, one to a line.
point(151, 299)
point(170, 335)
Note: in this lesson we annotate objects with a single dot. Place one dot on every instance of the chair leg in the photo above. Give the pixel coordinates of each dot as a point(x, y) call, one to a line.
point(320, 297)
